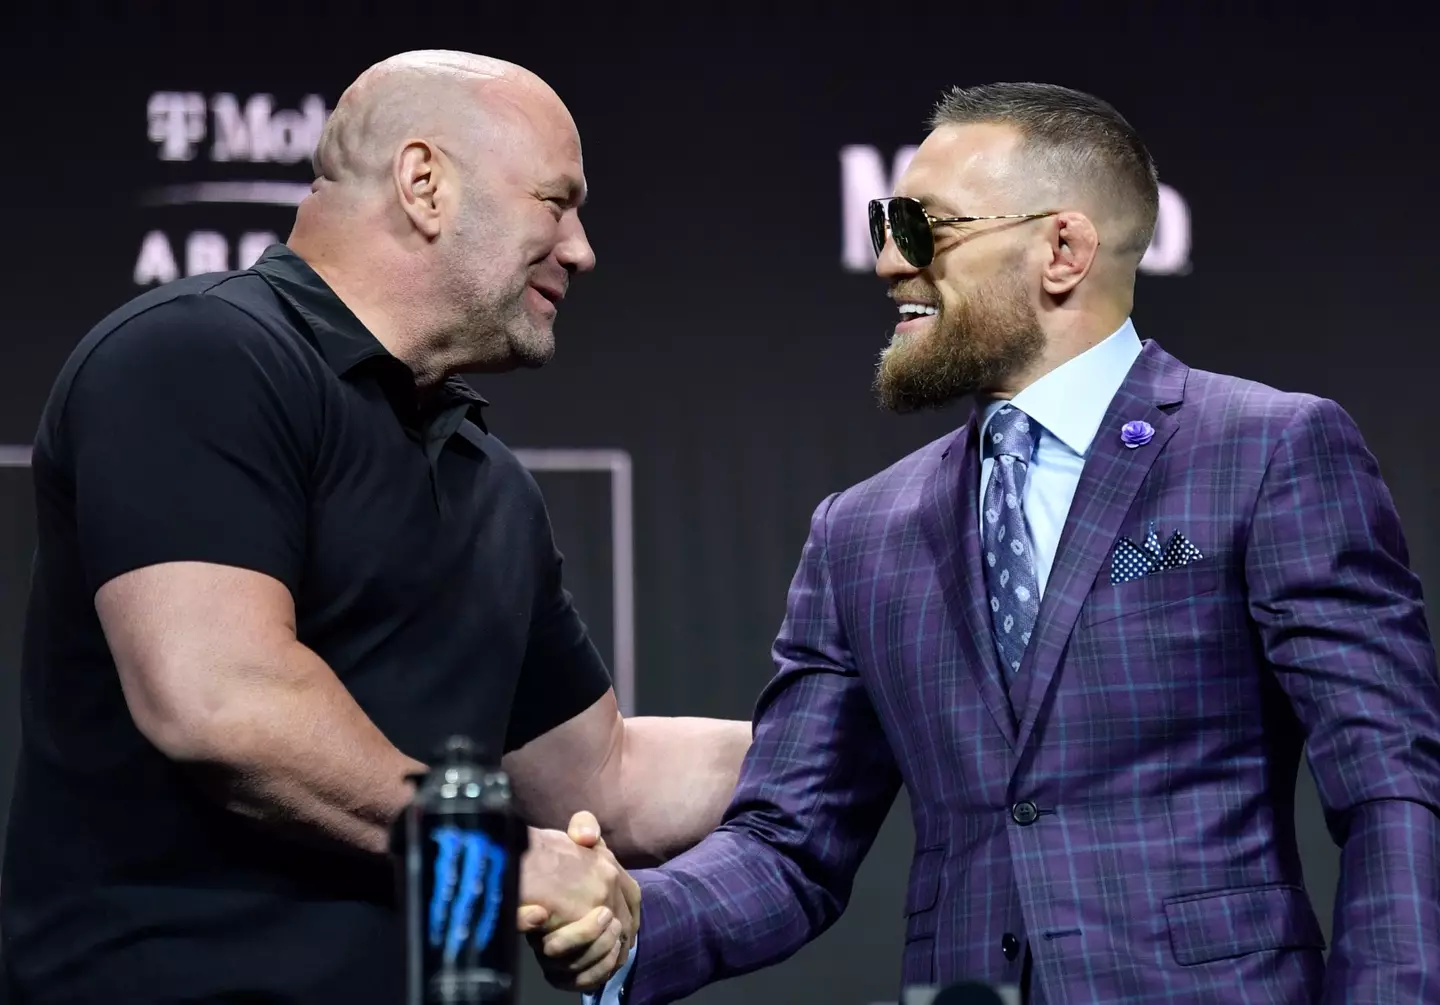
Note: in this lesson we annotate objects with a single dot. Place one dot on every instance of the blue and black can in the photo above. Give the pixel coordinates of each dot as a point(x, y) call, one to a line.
point(459, 845)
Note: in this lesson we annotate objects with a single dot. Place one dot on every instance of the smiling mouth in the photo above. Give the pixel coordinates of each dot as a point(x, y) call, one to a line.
point(913, 311)
point(549, 296)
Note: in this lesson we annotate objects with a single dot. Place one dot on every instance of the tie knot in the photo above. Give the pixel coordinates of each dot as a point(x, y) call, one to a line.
point(1010, 434)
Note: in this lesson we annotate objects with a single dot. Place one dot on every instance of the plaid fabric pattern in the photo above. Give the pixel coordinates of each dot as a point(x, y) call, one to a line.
point(1157, 728)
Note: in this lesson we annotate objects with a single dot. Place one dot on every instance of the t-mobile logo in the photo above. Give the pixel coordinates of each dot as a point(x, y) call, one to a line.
point(253, 131)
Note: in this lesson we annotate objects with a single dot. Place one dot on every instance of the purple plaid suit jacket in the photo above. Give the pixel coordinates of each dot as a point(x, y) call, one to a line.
point(1132, 818)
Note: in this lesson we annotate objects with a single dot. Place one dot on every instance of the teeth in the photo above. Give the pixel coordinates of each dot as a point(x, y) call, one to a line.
point(919, 309)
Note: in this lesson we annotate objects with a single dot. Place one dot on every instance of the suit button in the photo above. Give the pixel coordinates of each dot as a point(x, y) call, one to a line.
point(1010, 946)
point(1024, 813)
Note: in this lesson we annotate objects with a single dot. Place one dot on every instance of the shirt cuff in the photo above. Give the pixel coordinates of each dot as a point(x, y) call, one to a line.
point(614, 992)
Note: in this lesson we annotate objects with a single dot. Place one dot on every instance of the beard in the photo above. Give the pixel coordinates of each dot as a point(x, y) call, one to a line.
point(496, 325)
point(496, 332)
point(969, 347)
point(530, 341)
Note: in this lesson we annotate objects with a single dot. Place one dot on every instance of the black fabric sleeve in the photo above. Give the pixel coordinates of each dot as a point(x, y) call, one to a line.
point(187, 433)
point(562, 674)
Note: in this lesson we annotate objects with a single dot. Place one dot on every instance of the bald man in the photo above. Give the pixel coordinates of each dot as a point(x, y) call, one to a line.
point(281, 557)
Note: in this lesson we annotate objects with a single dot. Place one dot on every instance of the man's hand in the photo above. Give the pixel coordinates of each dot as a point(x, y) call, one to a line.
point(580, 908)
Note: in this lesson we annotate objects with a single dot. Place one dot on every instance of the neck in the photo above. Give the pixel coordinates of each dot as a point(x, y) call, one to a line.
point(383, 299)
point(1068, 333)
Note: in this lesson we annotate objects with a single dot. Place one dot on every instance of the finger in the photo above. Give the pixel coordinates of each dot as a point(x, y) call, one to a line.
point(621, 910)
point(595, 978)
point(574, 938)
point(558, 971)
point(584, 829)
point(630, 890)
point(532, 916)
point(598, 951)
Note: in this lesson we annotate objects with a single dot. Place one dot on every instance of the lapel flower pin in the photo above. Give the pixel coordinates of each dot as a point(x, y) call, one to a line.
point(1136, 433)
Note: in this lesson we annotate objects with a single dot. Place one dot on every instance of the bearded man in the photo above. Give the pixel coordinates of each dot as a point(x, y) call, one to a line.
point(1090, 632)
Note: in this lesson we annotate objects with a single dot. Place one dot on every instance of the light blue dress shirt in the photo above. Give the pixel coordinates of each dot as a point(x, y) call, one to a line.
point(612, 993)
point(1069, 404)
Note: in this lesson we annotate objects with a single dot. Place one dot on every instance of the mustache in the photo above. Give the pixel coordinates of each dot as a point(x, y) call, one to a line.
point(913, 291)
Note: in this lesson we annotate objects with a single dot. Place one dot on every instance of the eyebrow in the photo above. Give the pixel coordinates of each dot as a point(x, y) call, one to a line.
point(571, 191)
point(935, 203)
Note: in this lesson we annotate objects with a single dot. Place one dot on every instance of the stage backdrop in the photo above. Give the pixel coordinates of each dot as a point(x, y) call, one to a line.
point(712, 379)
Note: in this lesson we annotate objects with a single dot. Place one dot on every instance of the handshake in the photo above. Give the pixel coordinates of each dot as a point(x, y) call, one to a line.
point(579, 909)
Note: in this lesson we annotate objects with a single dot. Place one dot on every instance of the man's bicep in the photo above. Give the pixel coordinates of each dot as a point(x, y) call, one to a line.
point(562, 674)
point(1340, 613)
point(811, 634)
point(186, 436)
point(1326, 563)
point(192, 642)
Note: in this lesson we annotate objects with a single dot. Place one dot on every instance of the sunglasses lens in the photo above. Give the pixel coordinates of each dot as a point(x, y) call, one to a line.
point(911, 231)
point(877, 225)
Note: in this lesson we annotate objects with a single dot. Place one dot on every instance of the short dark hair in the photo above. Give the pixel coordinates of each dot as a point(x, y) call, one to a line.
point(1076, 136)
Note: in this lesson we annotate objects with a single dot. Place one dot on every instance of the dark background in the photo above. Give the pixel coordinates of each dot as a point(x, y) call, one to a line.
point(720, 342)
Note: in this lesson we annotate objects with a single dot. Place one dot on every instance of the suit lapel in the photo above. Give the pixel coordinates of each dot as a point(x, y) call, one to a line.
point(949, 516)
point(1112, 475)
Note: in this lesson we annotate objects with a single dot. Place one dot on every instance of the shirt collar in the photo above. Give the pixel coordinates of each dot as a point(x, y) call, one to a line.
point(1070, 401)
point(343, 341)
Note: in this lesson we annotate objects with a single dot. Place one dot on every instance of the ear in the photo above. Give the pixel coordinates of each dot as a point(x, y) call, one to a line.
point(417, 182)
point(1074, 243)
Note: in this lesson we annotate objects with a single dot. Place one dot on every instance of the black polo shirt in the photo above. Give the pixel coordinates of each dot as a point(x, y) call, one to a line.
point(249, 419)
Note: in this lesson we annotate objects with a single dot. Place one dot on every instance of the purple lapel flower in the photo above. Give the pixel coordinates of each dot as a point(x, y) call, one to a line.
point(1136, 433)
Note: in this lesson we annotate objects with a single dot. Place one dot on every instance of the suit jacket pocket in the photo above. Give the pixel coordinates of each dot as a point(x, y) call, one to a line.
point(1159, 589)
point(922, 893)
point(1223, 924)
point(918, 965)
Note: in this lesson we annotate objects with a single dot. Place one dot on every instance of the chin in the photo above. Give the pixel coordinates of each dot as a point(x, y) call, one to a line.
point(533, 351)
point(916, 381)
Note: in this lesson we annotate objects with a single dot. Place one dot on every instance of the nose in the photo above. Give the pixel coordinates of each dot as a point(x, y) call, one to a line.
point(891, 264)
point(574, 251)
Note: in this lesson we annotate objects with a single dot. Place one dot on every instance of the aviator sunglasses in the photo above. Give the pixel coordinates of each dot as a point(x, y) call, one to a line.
point(913, 228)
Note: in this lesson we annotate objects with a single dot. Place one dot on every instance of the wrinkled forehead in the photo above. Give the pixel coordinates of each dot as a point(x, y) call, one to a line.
point(960, 170)
point(534, 132)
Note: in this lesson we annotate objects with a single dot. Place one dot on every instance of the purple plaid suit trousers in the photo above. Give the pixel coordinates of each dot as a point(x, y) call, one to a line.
point(1131, 819)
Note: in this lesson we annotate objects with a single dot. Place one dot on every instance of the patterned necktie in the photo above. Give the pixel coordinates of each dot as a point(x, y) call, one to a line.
point(1009, 556)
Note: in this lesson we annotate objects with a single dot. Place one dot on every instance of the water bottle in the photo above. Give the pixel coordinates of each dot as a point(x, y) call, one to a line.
point(459, 846)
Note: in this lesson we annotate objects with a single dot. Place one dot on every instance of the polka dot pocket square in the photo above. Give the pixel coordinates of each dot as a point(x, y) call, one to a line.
point(1131, 561)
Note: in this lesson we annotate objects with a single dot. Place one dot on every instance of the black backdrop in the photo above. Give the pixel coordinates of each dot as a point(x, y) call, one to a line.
point(723, 344)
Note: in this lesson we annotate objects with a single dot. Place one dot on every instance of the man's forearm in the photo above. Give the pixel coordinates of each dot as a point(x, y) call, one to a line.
point(677, 776)
point(296, 751)
point(1385, 944)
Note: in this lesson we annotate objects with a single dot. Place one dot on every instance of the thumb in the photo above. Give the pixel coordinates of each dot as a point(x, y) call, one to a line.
point(584, 829)
point(531, 917)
